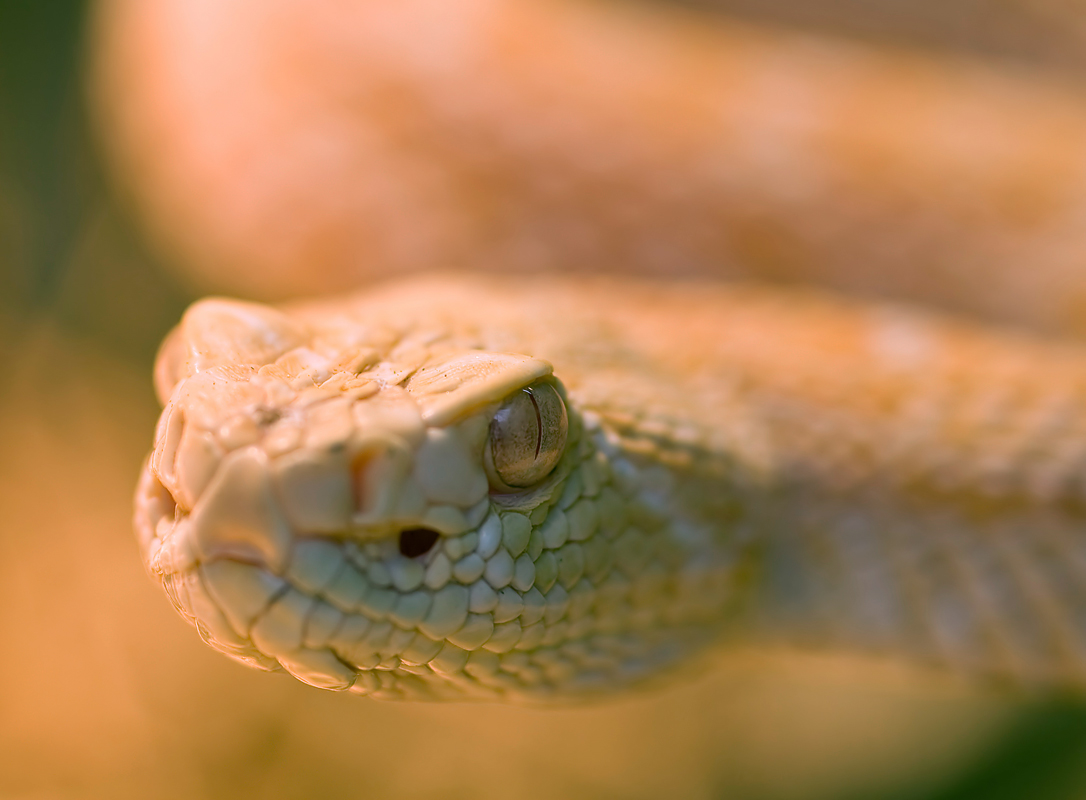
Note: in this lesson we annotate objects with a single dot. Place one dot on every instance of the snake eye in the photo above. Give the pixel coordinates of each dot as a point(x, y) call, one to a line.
point(527, 436)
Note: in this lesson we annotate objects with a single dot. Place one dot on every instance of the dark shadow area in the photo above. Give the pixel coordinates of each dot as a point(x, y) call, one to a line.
point(1044, 757)
point(67, 252)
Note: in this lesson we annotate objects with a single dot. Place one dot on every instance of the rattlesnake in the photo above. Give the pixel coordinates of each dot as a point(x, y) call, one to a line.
point(550, 488)
point(286, 147)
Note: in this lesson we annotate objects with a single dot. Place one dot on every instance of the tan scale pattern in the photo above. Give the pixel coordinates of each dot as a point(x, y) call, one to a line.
point(280, 148)
point(741, 465)
point(272, 502)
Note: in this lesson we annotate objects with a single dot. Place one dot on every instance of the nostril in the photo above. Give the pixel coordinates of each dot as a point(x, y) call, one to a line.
point(415, 542)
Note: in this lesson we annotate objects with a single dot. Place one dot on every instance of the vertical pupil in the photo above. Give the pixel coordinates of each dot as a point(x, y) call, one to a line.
point(415, 542)
point(538, 421)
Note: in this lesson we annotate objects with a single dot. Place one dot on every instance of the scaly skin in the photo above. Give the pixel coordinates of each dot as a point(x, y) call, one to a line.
point(741, 465)
point(280, 148)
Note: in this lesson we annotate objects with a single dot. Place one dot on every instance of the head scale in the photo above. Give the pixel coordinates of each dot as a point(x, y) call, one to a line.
point(394, 512)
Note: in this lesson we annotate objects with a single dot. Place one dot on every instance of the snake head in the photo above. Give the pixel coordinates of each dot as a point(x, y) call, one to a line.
point(396, 512)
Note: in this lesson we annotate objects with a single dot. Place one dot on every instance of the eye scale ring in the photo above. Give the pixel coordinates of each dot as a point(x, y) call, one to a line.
point(527, 437)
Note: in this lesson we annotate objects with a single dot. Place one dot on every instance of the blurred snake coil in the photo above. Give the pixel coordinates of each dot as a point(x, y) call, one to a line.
point(548, 488)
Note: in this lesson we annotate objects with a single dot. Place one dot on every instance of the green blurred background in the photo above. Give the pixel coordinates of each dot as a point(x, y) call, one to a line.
point(106, 693)
point(66, 256)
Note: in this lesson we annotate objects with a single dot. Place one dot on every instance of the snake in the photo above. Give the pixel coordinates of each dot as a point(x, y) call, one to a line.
point(301, 147)
point(535, 489)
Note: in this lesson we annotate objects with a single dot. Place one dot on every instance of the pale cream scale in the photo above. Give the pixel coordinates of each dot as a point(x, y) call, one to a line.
point(531, 490)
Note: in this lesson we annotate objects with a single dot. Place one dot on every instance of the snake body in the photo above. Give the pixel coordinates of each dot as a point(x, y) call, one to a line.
point(741, 465)
point(295, 147)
